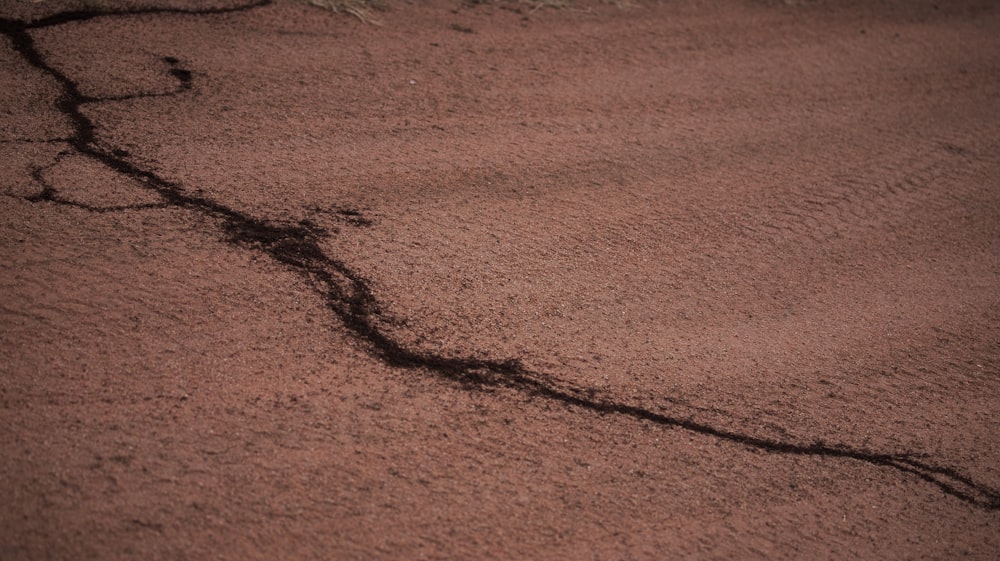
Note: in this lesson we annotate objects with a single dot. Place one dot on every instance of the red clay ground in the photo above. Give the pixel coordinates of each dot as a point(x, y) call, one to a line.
point(674, 280)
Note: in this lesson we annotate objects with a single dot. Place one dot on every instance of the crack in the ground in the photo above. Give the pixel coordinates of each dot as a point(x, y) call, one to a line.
point(348, 295)
point(50, 194)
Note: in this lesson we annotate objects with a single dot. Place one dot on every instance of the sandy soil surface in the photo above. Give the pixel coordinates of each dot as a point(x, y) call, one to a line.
point(707, 280)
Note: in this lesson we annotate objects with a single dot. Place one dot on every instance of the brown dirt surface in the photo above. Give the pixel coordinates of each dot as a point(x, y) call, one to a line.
point(677, 279)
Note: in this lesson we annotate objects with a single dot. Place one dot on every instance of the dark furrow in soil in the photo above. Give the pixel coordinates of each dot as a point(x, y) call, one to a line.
point(348, 295)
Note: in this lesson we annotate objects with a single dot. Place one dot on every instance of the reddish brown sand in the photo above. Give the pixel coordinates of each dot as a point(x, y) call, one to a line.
point(710, 280)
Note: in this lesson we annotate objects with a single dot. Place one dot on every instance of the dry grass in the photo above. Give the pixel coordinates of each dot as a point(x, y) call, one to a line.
point(361, 9)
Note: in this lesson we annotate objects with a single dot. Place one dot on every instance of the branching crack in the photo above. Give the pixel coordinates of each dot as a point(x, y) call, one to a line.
point(348, 295)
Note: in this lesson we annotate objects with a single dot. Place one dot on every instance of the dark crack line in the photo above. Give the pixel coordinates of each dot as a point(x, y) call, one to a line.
point(183, 76)
point(349, 297)
point(50, 194)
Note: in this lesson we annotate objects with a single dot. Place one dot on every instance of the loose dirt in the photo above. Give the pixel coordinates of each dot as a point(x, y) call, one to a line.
point(664, 280)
